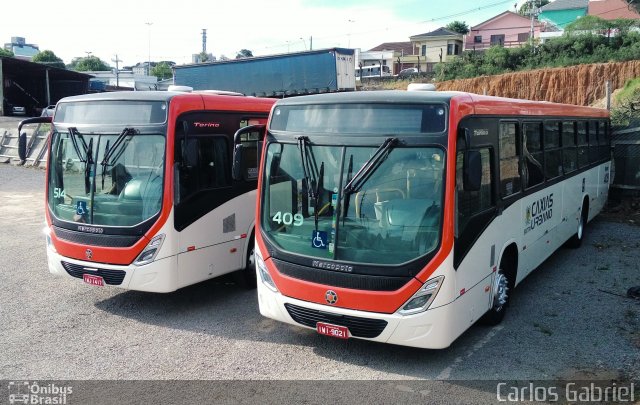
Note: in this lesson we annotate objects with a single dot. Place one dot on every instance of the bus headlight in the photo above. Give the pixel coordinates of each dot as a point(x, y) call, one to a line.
point(47, 234)
point(149, 253)
point(423, 298)
point(264, 273)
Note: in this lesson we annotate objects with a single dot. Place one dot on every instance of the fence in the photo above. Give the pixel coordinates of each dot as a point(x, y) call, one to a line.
point(626, 157)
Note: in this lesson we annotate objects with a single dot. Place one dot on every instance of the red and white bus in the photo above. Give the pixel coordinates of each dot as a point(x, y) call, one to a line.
point(140, 190)
point(406, 216)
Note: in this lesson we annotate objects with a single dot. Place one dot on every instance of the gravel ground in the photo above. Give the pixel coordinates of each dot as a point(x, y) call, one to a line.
point(568, 319)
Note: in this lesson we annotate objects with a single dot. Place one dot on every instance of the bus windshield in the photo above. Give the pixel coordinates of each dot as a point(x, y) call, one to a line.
point(106, 178)
point(391, 217)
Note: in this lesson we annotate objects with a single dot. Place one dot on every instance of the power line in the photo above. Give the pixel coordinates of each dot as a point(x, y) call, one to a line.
point(445, 17)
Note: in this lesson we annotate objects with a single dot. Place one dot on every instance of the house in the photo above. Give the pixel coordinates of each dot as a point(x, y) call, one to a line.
point(386, 54)
point(560, 13)
point(433, 47)
point(507, 29)
point(612, 9)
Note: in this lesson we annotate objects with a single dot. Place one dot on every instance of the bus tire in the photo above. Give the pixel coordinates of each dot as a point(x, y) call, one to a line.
point(502, 287)
point(246, 277)
point(576, 240)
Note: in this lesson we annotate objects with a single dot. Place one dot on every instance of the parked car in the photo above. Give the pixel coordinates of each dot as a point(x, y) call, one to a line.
point(48, 111)
point(408, 72)
point(13, 109)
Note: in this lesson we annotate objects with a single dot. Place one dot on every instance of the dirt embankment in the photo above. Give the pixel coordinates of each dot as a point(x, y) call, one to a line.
point(579, 85)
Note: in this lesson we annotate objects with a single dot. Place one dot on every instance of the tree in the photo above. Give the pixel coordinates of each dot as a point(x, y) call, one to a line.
point(48, 58)
point(525, 8)
point(5, 53)
point(204, 57)
point(634, 4)
point(162, 71)
point(458, 26)
point(90, 63)
point(244, 53)
point(588, 23)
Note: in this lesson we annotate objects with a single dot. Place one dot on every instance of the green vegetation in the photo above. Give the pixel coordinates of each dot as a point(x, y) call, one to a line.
point(458, 26)
point(89, 64)
point(244, 53)
point(525, 8)
point(48, 58)
point(5, 53)
point(162, 71)
point(577, 46)
point(626, 105)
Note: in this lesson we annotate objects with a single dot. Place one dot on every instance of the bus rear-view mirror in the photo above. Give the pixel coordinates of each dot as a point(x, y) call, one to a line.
point(472, 170)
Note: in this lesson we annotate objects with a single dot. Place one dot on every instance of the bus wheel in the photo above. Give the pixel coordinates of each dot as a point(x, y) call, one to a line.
point(247, 276)
point(576, 239)
point(501, 293)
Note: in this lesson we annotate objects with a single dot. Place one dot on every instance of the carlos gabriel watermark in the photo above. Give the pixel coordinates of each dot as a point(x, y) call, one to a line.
point(26, 392)
point(578, 392)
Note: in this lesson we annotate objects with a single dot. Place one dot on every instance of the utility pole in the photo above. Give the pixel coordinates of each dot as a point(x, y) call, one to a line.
point(204, 40)
point(311, 43)
point(532, 6)
point(149, 24)
point(117, 61)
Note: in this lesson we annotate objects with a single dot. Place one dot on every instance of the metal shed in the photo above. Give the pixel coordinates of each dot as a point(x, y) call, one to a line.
point(35, 85)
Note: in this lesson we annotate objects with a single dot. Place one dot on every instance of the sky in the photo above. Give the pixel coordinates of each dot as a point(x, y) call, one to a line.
point(139, 30)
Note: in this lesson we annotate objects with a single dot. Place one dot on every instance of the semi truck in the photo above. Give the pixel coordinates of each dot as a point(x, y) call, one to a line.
point(309, 72)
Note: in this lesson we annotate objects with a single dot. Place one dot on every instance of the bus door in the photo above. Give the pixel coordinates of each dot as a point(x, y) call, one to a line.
point(213, 212)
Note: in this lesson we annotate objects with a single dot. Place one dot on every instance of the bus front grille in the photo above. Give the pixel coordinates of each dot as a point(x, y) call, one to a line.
point(111, 277)
point(359, 327)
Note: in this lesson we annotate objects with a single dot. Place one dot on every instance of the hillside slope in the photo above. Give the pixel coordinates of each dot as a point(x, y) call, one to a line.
point(580, 85)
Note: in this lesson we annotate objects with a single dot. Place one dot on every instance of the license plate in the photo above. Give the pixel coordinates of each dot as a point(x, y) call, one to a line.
point(93, 280)
point(341, 332)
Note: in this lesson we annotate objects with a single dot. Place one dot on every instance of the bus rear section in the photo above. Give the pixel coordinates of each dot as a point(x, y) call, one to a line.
point(399, 217)
point(140, 192)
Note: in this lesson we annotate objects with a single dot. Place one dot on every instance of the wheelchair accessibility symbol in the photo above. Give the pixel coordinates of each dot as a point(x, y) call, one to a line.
point(319, 240)
point(81, 208)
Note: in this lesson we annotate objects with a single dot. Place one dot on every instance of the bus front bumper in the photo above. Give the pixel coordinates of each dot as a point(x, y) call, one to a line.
point(432, 329)
point(157, 276)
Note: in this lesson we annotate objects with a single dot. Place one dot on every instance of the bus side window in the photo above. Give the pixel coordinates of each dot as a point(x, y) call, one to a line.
point(603, 141)
point(593, 142)
point(206, 164)
point(569, 150)
point(533, 173)
point(509, 159)
point(583, 144)
point(470, 203)
point(552, 150)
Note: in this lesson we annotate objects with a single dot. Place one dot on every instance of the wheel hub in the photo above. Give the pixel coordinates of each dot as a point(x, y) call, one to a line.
point(500, 289)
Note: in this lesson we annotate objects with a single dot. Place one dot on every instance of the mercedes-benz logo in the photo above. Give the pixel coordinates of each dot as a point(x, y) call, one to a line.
point(331, 297)
point(88, 253)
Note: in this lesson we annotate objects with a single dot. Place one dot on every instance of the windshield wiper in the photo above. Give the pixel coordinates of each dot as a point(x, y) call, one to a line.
point(370, 166)
point(74, 135)
point(87, 167)
point(307, 169)
point(117, 149)
point(349, 178)
point(317, 201)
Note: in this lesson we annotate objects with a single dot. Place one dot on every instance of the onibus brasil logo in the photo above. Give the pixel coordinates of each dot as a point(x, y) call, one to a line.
point(25, 392)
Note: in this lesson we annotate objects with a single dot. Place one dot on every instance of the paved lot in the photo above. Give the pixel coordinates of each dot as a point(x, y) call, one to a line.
point(565, 321)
